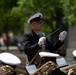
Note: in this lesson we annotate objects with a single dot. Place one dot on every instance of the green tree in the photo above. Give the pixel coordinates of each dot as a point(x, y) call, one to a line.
point(69, 12)
point(5, 18)
point(54, 11)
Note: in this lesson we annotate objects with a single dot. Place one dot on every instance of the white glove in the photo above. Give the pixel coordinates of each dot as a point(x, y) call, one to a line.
point(62, 35)
point(42, 40)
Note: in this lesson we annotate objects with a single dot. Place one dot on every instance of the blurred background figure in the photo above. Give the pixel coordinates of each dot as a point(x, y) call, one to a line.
point(20, 47)
point(1, 41)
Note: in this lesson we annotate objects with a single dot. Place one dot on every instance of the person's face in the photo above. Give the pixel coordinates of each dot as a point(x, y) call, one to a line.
point(37, 25)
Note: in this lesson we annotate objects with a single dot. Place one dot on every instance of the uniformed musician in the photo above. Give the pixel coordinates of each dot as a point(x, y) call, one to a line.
point(57, 70)
point(32, 42)
point(8, 63)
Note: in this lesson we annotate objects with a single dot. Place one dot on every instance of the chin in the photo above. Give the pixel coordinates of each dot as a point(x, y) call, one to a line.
point(40, 29)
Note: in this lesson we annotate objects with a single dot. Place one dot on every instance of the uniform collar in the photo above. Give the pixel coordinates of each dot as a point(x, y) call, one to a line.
point(35, 33)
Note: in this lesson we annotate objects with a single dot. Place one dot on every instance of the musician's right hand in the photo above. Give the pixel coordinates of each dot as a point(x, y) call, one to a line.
point(42, 41)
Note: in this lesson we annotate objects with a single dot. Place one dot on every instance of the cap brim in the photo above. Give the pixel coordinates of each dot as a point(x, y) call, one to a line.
point(34, 17)
point(48, 54)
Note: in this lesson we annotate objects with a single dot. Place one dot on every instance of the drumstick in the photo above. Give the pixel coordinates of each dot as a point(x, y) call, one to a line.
point(53, 32)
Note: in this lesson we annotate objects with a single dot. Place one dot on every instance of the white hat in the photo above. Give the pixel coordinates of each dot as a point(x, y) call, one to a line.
point(74, 53)
point(48, 54)
point(35, 17)
point(9, 58)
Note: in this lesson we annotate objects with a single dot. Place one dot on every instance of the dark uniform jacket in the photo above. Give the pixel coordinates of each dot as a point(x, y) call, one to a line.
point(58, 72)
point(31, 47)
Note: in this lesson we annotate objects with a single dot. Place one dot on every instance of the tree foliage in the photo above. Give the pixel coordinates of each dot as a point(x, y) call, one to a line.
point(5, 17)
point(55, 12)
point(69, 11)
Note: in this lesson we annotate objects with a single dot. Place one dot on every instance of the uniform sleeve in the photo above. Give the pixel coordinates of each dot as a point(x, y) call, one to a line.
point(53, 47)
point(27, 47)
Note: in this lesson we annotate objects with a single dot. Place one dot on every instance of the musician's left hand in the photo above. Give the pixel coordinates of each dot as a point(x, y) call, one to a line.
point(62, 35)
